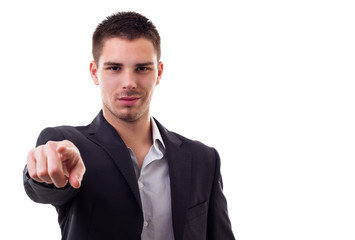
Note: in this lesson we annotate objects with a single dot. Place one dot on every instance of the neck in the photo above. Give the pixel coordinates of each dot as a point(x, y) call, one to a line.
point(133, 133)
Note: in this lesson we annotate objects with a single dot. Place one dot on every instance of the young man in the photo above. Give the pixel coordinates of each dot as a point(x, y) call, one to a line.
point(125, 176)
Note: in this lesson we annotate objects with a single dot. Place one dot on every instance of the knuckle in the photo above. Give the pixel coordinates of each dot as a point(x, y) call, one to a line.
point(42, 174)
point(32, 174)
point(67, 143)
point(38, 151)
point(60, 184)
point(30, 158)
point(53, 171)
point(30, 154)
point(77, 152)
point(50, 144)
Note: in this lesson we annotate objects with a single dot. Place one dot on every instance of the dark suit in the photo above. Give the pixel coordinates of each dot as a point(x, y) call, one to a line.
point(108, 205)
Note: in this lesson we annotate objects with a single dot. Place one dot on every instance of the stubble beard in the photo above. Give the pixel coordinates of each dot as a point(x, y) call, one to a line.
point(130, 116)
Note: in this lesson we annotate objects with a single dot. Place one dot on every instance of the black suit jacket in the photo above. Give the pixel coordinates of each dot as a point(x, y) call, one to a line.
point(108, 205)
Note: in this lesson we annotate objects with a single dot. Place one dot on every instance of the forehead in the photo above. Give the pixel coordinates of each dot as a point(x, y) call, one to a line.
point(121, 49)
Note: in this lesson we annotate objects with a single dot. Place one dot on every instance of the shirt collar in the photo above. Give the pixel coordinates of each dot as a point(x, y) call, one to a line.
point(157, 139)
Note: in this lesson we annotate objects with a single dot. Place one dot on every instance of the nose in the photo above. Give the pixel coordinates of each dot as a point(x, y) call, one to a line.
point(129, 81)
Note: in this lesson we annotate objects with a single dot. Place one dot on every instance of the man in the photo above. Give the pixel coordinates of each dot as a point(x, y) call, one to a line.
point(125, 176)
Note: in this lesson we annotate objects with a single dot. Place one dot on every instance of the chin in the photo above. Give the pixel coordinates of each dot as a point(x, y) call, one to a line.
point(129, 117)
point(126, 114)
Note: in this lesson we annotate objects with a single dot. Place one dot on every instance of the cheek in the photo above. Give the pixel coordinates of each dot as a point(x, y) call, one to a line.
point(150, 90)
point(108, 85)
point(107, 91)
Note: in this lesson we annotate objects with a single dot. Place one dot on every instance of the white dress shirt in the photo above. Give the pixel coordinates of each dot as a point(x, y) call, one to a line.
point(154, 188)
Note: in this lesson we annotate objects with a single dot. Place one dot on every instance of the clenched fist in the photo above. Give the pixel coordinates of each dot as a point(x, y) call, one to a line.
point(57, 163)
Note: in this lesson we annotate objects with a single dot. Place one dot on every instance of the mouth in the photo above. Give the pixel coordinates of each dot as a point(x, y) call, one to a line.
point(128, 101)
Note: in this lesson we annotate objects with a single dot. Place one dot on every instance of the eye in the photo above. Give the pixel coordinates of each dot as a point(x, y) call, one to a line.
point(142, 69)
point(114, 68)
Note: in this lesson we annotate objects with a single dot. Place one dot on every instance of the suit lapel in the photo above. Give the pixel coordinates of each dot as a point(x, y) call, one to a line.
point(104, 135)
point(179, 162)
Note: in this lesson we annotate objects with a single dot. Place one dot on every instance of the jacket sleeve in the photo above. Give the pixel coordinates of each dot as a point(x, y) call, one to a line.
point(219, 226)
point(42, 192)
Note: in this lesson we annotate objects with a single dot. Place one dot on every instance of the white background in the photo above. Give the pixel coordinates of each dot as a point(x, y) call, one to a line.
point(270, 84)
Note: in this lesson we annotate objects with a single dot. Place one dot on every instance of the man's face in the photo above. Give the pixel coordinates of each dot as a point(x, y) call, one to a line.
point(127, 74)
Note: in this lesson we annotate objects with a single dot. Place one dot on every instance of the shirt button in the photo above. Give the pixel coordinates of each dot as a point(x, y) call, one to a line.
point(145, 224)
point(140, 184)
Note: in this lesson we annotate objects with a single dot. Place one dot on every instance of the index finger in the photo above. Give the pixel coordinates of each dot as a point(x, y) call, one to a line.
point(55, 168)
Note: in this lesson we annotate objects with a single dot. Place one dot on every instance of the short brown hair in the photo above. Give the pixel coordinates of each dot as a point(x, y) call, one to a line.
point(128, 25)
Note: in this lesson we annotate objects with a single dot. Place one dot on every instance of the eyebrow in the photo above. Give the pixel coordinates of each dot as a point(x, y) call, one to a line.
point(144, 64)
point(120, 64)
point(112, 64)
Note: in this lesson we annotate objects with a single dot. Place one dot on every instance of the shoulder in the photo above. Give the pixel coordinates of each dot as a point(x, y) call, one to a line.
point(60, 133)
point(185, 143)
point(188, 143)
point(197, 148)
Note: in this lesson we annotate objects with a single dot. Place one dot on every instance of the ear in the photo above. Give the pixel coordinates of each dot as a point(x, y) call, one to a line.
point(93, 72)
point(160, 72)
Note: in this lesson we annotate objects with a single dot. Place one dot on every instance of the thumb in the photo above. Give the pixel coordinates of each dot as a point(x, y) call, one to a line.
point(68, 152)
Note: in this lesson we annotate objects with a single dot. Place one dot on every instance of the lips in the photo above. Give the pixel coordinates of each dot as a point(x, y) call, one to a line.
point(128, 101)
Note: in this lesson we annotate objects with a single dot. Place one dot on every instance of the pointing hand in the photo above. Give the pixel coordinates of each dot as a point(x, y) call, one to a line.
point(57, 163)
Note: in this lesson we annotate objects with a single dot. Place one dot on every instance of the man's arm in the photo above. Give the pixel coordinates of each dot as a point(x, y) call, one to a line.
point(54, 169)
point(219, 226)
